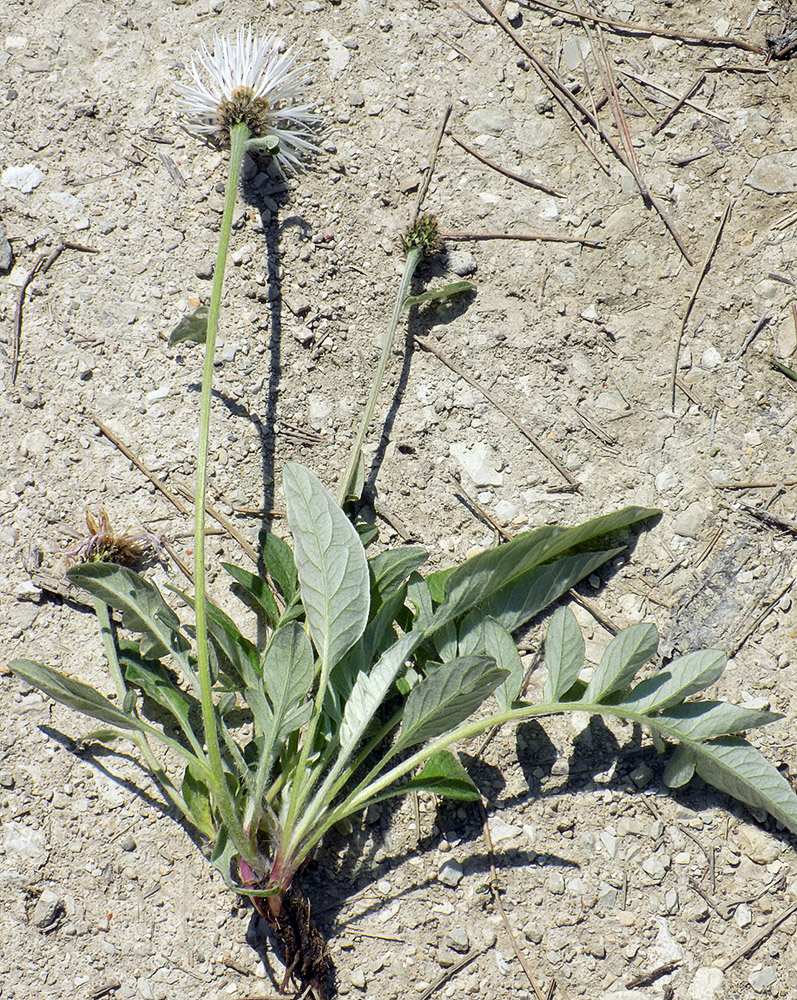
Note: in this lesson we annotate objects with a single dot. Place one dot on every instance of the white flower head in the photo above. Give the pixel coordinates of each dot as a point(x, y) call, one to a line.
point(246, 78)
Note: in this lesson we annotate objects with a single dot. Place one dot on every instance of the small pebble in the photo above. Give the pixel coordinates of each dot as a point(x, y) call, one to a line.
point(450, 873)
point(127, 843)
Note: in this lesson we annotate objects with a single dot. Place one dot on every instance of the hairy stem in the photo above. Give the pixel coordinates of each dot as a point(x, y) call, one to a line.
point(239, 134)
point(346, 487)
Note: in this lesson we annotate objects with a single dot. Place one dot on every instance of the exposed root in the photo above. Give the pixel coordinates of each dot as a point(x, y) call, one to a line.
point(305, 951)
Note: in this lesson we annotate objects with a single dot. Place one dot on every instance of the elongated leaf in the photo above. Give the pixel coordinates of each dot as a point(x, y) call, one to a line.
point(241, 654)
point(480, 634)
point(378, 637)
point(330, 561)
point(445, 641)
point(525, 598)
point(278, 560)
point(680, 767)
point(454, 288)
point(564, 654)
point(421, 599)
point(446, 697)
point(197, 798)
point(288, 671)
point(142, 606)
point(152, 679)
point(480, 577)
point(391, 568)
point(444, 776)
point(681, 678)
point(75, 695)
point(705, 720)
point(625, 654)
point(257, 589)
point(733, 766)
point(371, 689)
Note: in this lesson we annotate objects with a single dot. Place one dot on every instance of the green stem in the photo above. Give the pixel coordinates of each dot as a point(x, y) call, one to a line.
point(364, 793)
point(346, 488)
point(239, 135)
point(152, 762)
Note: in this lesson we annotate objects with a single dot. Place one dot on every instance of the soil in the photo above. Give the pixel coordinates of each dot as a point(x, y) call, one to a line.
point(603, 873)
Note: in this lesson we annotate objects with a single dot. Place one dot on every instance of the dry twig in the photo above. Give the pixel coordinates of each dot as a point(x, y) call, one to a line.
point(698, 283)
point(505, 171)
point(427, 346)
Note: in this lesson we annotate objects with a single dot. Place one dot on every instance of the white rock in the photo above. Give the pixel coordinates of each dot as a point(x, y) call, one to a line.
point(24, 178)
point(706, 984)
point(549, 211)
point(24, 843)
point(503, 831)
point(711, 358)
point(160, 393)
point(762, 979)
point(338, 53)
point(479, 461)
point(666, 480)
point(775, 173)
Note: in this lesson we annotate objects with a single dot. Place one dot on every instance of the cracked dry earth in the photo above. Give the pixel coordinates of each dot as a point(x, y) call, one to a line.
point(604, 875)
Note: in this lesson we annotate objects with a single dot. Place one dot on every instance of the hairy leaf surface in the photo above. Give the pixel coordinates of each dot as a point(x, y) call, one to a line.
point(625, 654)
point(142, 606)
point(446, 697)
point(564, 654)
point(331, 565)
point(679, 679)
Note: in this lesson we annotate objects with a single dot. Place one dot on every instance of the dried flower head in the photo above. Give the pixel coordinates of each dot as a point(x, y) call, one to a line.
point(104, 544)
point(247, 79)
point(423, 235)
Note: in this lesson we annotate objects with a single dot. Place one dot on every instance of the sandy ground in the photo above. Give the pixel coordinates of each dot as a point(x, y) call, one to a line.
point(604, 875)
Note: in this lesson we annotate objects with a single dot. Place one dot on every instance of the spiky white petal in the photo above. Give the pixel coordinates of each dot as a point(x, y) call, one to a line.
point(254, 62)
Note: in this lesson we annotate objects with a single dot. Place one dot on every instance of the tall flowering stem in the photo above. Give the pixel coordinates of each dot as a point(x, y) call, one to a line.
point(239, 136)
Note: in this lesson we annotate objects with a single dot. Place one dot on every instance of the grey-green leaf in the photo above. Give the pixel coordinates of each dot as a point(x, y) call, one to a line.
point(371, 689)
point(330, 560)
point(681, 678)
point(193, 328)
point(75, 694)
point(680, 767)
point(142, 606)
point(288, 671)
point(733, 766)
point(443, 775)
point(625, 654)
point(447, 696)
point(391, 568)
point(705, 720)
point(480, 577)
point(564, 654)
point(434, 294)
point(480, 634)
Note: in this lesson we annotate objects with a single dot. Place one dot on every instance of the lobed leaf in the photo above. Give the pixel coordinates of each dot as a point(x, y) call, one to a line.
point(732, 765)
point(683, 677)
point(564, 654)
point(625, 654)
point(446, 697)
point(331, 565)
point(444, 776)
point(193, 328)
